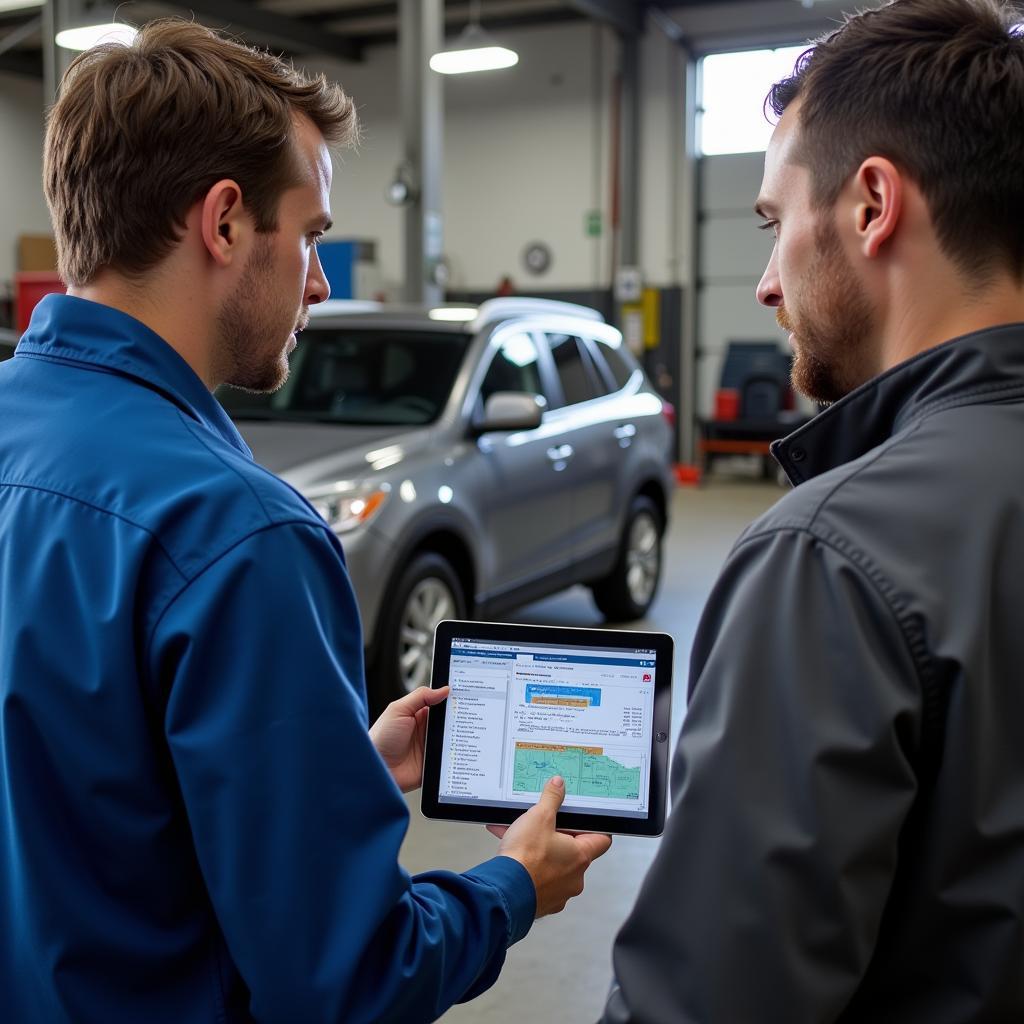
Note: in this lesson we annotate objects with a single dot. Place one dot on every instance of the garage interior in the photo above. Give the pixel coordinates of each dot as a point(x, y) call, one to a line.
point(579, 175)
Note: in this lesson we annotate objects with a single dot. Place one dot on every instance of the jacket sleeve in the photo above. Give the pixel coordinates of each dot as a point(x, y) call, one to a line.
point(791, 780)
point(296, 821)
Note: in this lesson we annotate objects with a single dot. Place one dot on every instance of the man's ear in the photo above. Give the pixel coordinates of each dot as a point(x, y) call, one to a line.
point(878, 203)
point(224, 222)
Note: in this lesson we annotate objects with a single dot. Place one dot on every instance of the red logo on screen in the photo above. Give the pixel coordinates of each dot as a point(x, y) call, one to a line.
point(647, 677)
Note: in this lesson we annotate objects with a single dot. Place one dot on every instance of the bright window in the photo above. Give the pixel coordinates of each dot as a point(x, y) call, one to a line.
point(734, 87)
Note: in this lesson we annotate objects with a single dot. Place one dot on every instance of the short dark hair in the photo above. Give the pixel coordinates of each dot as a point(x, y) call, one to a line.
point(936, 86)
point(140, 133)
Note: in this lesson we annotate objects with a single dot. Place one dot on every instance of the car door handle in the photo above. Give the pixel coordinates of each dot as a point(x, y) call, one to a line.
point(560, 453)
point(624, 434)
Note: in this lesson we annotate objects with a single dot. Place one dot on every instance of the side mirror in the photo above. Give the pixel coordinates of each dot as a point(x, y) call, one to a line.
point(511, 410)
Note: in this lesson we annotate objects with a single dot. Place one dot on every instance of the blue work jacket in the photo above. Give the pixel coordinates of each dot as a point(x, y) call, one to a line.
point(194, 824)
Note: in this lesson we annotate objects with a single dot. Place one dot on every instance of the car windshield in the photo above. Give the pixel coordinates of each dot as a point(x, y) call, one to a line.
point(385, 376)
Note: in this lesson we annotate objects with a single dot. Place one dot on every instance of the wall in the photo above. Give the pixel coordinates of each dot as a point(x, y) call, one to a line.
point(733, 255)
point(527, 153)
point(22, 206)
point(664, 214)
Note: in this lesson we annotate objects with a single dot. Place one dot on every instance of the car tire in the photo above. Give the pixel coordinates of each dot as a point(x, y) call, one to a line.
point(427, 591)
point(629, 589)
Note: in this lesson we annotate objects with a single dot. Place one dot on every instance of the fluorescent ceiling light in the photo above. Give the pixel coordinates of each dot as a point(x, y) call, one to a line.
point(88, 36)
point(474, 50)
point(454, 314)
point(480, 58)
point(20, 5)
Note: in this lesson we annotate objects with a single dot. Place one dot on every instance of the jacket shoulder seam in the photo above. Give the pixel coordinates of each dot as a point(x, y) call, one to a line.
point(847, 478)
point(880, 583)
point(211, 562)
point(231, 469)
point(103, 511)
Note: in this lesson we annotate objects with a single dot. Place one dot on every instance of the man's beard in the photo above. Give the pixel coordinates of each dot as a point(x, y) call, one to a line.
point(251, 353)
point(831, 323)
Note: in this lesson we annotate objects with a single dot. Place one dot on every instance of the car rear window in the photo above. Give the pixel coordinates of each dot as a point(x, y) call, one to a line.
point(618, 359)
point(396, 377)
point(575, 370)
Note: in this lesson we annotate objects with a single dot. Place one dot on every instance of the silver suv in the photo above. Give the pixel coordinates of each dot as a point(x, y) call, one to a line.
point(470, 459)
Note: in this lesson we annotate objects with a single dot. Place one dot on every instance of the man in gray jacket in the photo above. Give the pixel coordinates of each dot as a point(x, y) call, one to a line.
point(847, 835)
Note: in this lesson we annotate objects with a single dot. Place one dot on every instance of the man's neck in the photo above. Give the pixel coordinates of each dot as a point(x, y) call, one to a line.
point(183, 328)
point(948, 310)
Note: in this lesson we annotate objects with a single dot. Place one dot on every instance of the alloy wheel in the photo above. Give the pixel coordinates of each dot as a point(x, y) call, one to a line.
point(643, 559)
point(430, 601)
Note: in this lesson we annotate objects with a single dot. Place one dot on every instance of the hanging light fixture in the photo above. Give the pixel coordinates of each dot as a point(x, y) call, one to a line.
point(474, 50)
point(94, 24)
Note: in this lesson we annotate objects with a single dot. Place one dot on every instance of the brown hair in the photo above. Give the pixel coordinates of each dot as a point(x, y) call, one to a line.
point(141, 132)
point(936, 86)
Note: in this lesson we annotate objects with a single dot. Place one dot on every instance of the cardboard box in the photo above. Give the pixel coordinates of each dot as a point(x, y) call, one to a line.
point(37, 253)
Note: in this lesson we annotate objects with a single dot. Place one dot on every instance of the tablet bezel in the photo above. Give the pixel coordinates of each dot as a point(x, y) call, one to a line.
point(663, 646)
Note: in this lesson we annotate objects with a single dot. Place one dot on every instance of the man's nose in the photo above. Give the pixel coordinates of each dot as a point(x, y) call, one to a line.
point(769, 288)
point(317, 287)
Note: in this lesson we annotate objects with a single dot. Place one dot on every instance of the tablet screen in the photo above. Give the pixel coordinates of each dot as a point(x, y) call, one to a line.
point(519, 713)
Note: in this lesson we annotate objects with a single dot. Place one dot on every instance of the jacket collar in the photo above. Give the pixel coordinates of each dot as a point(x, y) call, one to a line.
point(74, 330)
point(974, 368)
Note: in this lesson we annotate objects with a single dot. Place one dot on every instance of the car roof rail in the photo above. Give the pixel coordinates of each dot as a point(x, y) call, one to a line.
point(508, 308)
point(342, 307)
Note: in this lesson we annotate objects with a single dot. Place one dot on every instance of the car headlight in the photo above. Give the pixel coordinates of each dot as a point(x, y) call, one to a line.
point(346, 510)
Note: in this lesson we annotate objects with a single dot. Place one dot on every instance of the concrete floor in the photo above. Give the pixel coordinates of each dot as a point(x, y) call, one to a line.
point(560, 972)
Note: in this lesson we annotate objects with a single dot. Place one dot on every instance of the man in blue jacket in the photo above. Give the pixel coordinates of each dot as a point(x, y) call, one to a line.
point(846, 842)
point(195, 822)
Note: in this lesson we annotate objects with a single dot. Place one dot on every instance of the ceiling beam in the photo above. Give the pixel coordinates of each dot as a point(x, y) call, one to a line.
point(18, 35)
point(21, 62)
point(713, 3)
point(626, 16)
point(556, 16)
point(384, 32)
point(280, 30)
point(323, 15)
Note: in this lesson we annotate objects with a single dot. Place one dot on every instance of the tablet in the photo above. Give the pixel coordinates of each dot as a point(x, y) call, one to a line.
point(529, 702)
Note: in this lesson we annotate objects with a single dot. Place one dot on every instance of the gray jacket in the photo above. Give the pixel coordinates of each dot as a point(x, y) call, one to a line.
point(847, 835)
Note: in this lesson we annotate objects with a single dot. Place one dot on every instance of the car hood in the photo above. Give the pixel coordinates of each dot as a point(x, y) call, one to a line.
point(307, 454)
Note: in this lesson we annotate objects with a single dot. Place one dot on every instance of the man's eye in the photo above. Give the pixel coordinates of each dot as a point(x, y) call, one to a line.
point(769, 225)
point(315, 237)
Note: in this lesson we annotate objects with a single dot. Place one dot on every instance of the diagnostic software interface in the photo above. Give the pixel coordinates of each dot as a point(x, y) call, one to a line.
point(520, 713)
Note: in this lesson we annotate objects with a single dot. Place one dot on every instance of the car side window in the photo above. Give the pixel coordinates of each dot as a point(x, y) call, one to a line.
point(618, 359)
point(576, 372)
point(515, 367)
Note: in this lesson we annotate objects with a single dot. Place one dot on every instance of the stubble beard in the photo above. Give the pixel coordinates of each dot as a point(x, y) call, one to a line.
point(251, 351)
point(832, 324)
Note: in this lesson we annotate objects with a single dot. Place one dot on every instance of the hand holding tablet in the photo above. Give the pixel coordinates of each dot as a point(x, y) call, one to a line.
point(530, 702)
point(400, 732)
point(556, 861)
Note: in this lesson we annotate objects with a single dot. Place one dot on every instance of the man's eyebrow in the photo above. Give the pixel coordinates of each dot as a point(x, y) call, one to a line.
point(763, 209)
point(321, 223)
